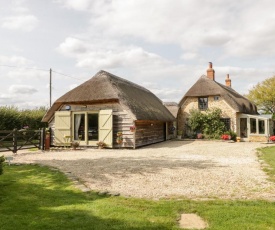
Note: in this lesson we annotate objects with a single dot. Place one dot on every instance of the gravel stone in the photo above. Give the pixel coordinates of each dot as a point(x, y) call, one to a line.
point(186, 169)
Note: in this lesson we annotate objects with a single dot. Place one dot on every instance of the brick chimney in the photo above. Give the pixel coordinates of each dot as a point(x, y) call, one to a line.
point(211, 72)
point(228, 81)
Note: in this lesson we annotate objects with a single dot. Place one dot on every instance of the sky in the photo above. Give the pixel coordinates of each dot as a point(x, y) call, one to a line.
point(162, 45)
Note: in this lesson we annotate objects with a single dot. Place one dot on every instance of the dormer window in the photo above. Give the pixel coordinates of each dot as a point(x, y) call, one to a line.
point(203, 103)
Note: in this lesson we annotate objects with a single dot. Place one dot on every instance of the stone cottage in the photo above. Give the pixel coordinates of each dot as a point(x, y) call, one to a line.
point(238, 113)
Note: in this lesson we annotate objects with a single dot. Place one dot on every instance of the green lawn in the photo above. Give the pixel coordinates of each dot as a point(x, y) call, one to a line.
point(34, 197)
point(268, 155)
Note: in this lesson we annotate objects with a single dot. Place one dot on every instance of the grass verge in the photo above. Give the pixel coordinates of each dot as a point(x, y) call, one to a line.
point(268, 155)
point(34, 197)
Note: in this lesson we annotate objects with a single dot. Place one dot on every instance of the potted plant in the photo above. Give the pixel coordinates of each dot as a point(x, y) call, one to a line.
point(74, 145)
point(101, 144)
point(179, 134)
point(226, 137)
point(272, 138)
point(199, 135)
point(119, 138)
point(132, 128)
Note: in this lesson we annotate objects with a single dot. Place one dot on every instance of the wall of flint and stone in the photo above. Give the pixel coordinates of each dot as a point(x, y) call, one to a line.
point(192, 103)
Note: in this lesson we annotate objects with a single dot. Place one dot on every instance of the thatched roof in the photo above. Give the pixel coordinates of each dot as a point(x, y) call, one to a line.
point(207, 87)
point(173, 107)
point(105, 87)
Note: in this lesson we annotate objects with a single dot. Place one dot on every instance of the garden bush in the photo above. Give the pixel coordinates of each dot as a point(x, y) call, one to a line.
point(208, 122)
point(2, 160)
point(232, 134)
point(11, 117)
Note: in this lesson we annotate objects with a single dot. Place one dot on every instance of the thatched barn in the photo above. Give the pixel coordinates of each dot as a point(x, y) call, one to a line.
point(103, 108)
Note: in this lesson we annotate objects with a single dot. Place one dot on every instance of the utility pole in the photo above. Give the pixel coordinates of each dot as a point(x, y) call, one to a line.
point(50, 87)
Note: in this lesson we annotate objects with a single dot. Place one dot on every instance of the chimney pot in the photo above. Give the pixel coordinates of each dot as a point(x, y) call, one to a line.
point(228, 81)
point(211, 72)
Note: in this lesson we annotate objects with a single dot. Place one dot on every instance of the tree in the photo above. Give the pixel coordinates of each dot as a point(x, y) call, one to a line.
point(263, 95)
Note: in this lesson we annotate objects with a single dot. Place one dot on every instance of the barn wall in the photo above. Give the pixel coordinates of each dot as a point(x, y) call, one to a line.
point(149, 132)
point(121, 122)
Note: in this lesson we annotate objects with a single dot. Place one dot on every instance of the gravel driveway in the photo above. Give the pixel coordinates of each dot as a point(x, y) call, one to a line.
point(196, 170)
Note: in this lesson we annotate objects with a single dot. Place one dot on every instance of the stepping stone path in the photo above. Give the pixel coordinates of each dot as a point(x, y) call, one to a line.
point(192, 221)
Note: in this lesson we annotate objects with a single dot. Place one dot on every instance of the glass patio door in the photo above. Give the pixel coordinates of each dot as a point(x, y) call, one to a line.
point(243, 127)
point(85, 128)
point(92, 128)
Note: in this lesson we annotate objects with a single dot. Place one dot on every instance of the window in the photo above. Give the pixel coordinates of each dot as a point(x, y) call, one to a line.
point(226, 122)
point(261, 124)
point(79, 126)
point(253, 128)
point(203, 103)
point(216, 98)
point(93, 127)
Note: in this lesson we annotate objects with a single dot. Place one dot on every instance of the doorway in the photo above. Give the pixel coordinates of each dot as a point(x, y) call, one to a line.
point(85, 128)
point(243, 127)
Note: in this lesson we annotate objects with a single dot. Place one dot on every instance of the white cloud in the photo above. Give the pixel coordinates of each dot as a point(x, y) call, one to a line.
point(97, 7)
point(100, 54)
point(73, 47)
point(20, 22)
point(21, 74)
point(239, 29)
point(76, 5)
point(22, 89)
point(6, 100)
point(189, 56)
point(14, 60)
point(20, 9)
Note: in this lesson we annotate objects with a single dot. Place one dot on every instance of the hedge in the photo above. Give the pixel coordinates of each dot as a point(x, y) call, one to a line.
point(11, 117)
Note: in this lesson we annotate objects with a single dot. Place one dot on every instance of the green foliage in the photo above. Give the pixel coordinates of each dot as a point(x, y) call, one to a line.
point(2, 160)
point(196, 120)
point(232, 134)
point(208, 122)
point(11, 118)
point(263, 95)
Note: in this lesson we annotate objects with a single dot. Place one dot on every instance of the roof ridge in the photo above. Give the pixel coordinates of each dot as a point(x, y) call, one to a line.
point(101, 72)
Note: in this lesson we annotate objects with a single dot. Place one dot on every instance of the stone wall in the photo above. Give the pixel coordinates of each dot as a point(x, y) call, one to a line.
point(258, 138)
point(192, 103)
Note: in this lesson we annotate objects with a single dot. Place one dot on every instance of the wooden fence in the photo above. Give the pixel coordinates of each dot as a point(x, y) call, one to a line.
point(14, 140)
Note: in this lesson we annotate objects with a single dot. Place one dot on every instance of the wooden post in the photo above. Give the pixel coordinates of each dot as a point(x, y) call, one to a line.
point(134, 135)
point(42, 139)
point(47, 141)
point(15, 141)
point(50, 87)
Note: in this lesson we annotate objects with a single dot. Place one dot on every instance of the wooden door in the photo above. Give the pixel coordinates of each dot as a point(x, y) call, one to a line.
point(62, 130)
point(106, 127)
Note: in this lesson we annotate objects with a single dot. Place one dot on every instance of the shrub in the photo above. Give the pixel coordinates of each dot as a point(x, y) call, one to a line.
point(232, 134)
point(209, 122)
point(196, 120)
point(272, 138)
point(11, 117)
point(2, 160)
